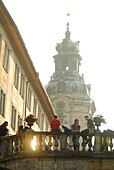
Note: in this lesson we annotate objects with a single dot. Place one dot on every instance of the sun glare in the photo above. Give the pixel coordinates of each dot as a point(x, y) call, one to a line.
point(34, 143)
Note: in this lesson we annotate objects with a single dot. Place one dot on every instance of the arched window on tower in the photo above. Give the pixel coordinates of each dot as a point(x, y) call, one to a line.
point(65, 65)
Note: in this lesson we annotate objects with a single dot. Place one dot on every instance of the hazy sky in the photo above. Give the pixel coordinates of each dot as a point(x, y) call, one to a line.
point(42, 24)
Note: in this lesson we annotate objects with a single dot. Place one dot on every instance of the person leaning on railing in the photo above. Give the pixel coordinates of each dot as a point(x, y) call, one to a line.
point(55, 125)
point(89, 131)
point(75, 127)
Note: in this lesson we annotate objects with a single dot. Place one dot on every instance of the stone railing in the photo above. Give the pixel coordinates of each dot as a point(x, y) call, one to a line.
point(31, 141)
point(107, 140)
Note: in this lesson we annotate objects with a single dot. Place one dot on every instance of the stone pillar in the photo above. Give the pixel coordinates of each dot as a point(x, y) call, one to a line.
point(28, 140)
point(63, 142)
point(97, 141)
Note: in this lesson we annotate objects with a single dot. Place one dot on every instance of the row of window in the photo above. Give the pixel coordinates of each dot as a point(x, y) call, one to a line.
point(16, 81)
point(14, 113)
point(6, 64)
point(16, 76)
point(14, 117)
point(21, 92)
point(22, 86)
point(6, 53)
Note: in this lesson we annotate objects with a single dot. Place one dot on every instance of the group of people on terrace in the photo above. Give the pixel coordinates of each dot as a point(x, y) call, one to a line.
point(4, 131)
point(75, 127)
point(55, 127)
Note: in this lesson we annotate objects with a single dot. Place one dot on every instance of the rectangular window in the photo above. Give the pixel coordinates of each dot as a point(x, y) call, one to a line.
point(34, 107)
point(19, 121)
point(39, 115)
point(16, 77)
point(13, 118)
point(6, 58)
point(42, 122)
point(46, 126)
point(22, 86)
point(0, 40)
point(29, 93)
point(2, 103)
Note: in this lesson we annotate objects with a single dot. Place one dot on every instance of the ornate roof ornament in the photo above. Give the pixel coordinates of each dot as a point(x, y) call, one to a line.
point(67, 45)
point(67, 32)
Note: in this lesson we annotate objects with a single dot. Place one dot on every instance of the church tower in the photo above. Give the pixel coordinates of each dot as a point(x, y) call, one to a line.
point(67, 90)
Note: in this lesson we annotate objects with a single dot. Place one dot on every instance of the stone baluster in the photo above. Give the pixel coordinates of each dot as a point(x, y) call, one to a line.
point(90, 143)
point(46, 142)
point(63, 142)
point(50, 143)
point(83, 144)
point(40, 142)
point(37, 142)
point(6, 146)
point(10, 146)
point(56, 144)
point(15, 144)
point(77, 142)
point(3, 148)
point(104, 144)
point(19, 141)
point(111, 144)
point(22, 143)
point(70, 143)
point(28, 140)
point(43, 142)
point(97, 141)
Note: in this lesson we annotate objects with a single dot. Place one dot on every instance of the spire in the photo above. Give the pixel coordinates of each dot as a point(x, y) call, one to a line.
point(67, 45)
point(67, 32)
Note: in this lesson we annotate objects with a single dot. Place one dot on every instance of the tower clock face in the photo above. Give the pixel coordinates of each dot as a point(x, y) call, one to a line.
point(60, 105)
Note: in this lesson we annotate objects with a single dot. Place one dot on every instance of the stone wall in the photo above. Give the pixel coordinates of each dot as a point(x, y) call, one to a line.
point(60, 161)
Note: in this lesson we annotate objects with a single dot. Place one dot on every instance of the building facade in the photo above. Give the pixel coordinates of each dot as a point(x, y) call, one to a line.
point(68, 92)
point(21, 92)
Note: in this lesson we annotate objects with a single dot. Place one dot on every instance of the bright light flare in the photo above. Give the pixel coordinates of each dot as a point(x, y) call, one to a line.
point(34, 143)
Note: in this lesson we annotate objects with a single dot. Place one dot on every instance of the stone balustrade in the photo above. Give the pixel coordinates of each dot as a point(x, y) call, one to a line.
point(31, 141)
point(108, 140)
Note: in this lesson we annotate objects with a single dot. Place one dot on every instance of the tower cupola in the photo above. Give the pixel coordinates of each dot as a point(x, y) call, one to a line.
point(66, 78)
